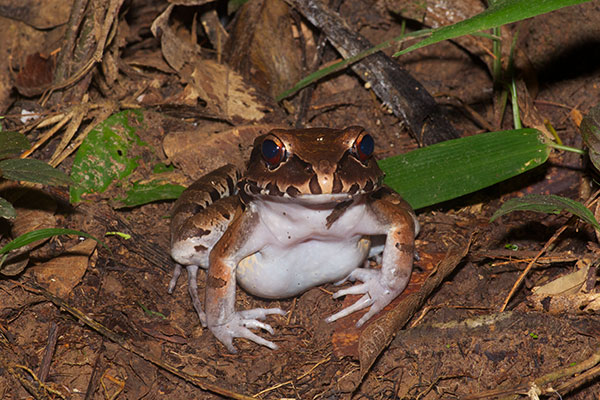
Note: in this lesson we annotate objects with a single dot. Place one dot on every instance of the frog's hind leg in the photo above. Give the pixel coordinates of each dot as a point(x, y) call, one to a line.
point(192, 271)
point(199, 220)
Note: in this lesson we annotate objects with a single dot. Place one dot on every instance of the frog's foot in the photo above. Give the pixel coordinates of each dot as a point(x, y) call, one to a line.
point(240, 325)
point(192, 271)
point(175, 277)
point(377, 294)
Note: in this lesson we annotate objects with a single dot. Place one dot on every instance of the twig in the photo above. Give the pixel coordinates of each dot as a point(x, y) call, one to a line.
point(94, 378)
point(49, 352)
point(530, 265)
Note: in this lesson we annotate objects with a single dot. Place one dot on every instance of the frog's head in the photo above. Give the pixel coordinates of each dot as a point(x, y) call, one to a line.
point(298, 162)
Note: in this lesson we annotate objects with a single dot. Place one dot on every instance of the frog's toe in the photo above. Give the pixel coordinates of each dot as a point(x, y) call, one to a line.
point(259, 340)
point(375, 308)
point(363, 302)
point(240, 325)
point(174, 278)
point(356, 289)
point(261, 313)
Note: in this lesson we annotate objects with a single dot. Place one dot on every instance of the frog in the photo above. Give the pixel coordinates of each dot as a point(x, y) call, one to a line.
point(311, 208)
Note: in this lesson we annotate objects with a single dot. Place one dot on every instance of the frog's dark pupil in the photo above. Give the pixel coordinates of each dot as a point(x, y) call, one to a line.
point(367, 145)
point(270, 150)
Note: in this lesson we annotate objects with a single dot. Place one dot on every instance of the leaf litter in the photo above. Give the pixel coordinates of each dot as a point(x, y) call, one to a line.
point(213, 114)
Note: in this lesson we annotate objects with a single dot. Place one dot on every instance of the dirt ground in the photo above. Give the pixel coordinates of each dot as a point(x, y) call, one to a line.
point(149, 344)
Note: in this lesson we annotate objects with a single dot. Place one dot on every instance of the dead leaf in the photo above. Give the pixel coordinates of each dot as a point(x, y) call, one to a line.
point(225, 92)
point(39, 14)
point(149, 59)
point(16, 36)
point(201, 151)
point(530, 116)
point(567, 293)
point(567, 284)
point(190, 2)
point(576, 116)
point(61, 274)
point(263, 48)
point(35, 210)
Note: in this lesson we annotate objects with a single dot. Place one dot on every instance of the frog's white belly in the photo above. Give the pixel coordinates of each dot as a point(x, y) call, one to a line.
point(295, 249)
point(279, 272)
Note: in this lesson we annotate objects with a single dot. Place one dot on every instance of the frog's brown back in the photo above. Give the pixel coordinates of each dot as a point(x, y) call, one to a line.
point(218, 184)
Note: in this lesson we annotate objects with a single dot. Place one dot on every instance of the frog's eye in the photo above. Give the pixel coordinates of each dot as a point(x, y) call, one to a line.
point(273, 151)
point(364, 146)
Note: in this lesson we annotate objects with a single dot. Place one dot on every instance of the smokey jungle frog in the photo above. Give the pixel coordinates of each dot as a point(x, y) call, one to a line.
point(310, 209)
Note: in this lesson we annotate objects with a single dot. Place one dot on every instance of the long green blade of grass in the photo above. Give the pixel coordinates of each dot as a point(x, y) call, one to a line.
point(457, 167)
point(500, 12)
point(551, 204)
point(39, 234)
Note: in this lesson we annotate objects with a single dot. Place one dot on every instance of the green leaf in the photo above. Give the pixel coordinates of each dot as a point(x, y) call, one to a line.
point(31, 170)
point(499, 13)
point(457, 167)
point(7, 210)
point(550, 204)
point(12, 143)
point(149, 192)
point(103, 157)
point(40, 234)
point(160, 168)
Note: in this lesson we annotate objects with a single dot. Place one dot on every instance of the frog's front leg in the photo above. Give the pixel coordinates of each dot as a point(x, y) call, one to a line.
point(222, 319)
point(394, 218)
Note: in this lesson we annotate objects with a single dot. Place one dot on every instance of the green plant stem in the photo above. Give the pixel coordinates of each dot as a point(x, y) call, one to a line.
point(515, 104)
point(566, 148)
point(496, 50)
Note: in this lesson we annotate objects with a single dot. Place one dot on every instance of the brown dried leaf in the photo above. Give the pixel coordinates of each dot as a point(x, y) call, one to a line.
point(197, 151)
point(36, 75)
point(39, 14)
point(577, 303)
point(530, 116)
point(61, 274)
point(14, 266)
point(567, 294)
point(567, 284)
point(576, 116)
point(224, 90)
point(263, 48)
point(149, 59)
point(35, 210)
point(18, 39)
point(211, 23)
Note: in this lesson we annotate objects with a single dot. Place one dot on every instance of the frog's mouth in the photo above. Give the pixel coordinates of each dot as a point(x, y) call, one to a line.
point(308, 199)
